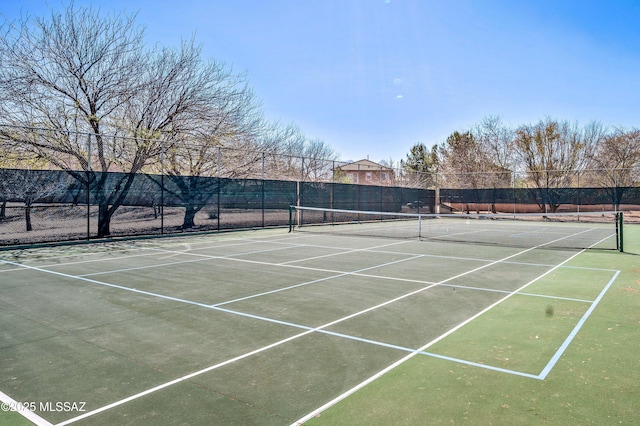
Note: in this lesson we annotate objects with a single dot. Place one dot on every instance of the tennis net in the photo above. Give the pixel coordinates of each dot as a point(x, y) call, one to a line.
point(575, 230)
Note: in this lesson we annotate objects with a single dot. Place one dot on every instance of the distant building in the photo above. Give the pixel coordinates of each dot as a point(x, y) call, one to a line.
point(365, 172)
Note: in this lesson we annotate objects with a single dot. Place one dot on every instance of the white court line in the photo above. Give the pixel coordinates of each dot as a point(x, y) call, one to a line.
point(79, 262)
point(123, 246)
point(106, 284)
point(493, 290)
point(182, 379)
point(130, 247)
point(137, 268)
point(233, 257)
point(314, 281)
point(478, 365)
point(203, 257)
point(574, 332)
point(373, 249)
point(542, 230)
point(547, 296)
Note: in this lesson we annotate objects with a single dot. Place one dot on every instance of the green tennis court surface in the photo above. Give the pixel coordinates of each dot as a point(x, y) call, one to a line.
point(274, 328)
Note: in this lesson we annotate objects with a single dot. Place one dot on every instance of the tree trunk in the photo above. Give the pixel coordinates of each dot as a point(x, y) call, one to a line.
point(104, 220)
point(3, 210)
point(189, 217)
point(27, 215)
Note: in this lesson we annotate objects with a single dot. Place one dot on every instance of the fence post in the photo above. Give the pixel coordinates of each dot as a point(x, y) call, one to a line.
point(263, 195)
point(437, 195)
point(219, 184)
point(381, 190)
point(333, 185)
point(88, 186)
point(359, 191)
point(298, 201)
point(162, 188)
point(513, 187)
point(579, 193)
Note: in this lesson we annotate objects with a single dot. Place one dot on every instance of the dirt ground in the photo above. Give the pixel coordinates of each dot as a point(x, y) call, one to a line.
point(68, 223)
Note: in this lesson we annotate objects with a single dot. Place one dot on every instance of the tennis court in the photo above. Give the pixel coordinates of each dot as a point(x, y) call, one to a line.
point(270, 327)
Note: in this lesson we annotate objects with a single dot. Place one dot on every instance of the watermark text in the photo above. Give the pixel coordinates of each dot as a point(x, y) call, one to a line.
point(46, 406)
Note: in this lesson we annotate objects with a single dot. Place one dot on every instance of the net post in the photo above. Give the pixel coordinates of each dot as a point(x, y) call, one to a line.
point(620, 231)
point(291, 218)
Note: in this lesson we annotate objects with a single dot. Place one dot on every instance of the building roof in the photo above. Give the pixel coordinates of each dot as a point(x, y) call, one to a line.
point(364, 165)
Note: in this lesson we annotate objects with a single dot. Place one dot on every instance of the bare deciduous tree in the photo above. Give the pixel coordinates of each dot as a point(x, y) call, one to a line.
point(292, 155)
point(614, 163)
point(497, 141)
point(552, 152)
point(72, 73)
point(104, 102)
point(221, 112)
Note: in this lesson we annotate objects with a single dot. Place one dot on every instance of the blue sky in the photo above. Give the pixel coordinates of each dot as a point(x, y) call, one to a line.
point(373, 77)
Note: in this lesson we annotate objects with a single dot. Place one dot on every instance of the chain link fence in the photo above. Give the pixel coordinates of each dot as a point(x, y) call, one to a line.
point(546, 191)
point(82, 192)
point(54, 205)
